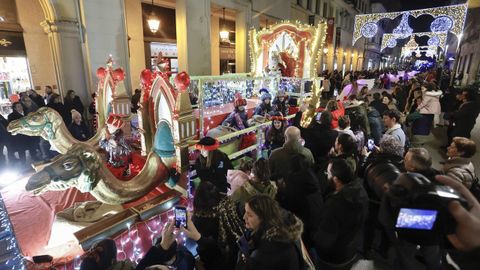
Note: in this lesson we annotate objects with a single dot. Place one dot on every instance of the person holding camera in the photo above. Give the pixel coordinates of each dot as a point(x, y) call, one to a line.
point(166, 253)
point(215, 225)
point(379, 168)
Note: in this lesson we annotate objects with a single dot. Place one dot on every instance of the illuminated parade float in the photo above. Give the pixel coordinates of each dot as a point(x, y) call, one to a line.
point(123, 182)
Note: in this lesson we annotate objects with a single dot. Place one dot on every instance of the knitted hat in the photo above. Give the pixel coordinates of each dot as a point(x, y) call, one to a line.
point(207, 143)
point(239, 101)
point(75, 113)
point(265, 94)
point(115, 120)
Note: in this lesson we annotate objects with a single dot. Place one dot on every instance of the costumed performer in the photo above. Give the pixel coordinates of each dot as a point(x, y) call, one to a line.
point(280, 103)
point(275, 135)
point(238, 118)
point(264, 109)
point(212, 164)
point(114, 143)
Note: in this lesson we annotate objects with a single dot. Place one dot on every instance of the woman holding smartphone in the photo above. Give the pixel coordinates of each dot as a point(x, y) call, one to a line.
point(273, 238)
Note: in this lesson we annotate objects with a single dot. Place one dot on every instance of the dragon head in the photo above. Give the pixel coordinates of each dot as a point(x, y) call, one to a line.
point(77, 168)
point(44, 122)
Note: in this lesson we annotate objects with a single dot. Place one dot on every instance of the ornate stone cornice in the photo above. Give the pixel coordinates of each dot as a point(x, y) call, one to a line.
point(65, 25)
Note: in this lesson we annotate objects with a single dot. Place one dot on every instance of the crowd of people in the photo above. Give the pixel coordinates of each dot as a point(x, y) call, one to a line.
point(71, 111)
point(335, 192)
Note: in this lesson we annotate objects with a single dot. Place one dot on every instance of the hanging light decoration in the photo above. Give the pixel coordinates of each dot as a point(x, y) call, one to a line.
point(224, 34)
point(391, 43)
point(369, 30)
point(153, 21)
point(441, 24)
point(403, 30)
point(433, 41)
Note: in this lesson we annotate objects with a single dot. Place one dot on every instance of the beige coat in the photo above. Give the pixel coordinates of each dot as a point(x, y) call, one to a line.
point(460, 169)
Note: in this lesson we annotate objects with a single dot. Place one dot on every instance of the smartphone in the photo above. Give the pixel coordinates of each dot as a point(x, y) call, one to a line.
point(419, 219)
point(180, 216)
point(318, 117)
point(370, 145)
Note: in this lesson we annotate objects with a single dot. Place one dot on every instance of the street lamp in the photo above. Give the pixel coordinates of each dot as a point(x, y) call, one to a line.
point(224, 34)
point(324, 55)
point(153, 21)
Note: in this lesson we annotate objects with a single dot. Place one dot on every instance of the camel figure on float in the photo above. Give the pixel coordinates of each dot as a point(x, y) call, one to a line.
point(80, 165)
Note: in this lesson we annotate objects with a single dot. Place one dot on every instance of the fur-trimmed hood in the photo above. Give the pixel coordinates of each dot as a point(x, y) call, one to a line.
point(257, 188)
point(291, 230)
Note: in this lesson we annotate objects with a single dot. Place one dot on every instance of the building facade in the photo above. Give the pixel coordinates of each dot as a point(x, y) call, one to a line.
point(62, 42)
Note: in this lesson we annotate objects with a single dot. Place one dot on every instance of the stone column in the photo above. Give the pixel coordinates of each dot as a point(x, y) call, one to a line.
point(215, 34)
point(66, 48)
point(193, 36)
point(241, 42)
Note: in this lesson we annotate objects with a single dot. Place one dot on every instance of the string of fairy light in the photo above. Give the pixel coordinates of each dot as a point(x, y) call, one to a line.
point(446, 19)
point(10, 255)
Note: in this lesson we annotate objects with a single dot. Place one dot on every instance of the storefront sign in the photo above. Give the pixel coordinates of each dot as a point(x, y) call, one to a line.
point(11, 44)
point(5, 43)
point(330, 27)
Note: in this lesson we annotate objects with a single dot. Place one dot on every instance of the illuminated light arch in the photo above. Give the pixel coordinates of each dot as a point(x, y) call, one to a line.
point(307, 39)
point(456, 13)
point(442, 38)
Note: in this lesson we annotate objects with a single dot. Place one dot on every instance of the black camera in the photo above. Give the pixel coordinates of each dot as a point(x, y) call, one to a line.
point(419, 208)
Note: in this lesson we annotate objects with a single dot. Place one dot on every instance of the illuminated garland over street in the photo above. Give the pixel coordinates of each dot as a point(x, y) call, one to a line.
point(435, 39)
point(448, 18)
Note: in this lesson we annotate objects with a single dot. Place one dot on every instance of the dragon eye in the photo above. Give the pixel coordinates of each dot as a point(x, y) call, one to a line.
point(68, 166)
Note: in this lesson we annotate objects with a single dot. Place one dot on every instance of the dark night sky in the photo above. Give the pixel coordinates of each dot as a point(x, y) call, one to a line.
point(419, 4)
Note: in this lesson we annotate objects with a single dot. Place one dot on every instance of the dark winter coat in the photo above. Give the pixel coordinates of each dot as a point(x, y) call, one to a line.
point(157, 255)
point(302, 196)
point(379, 106)
point(272, 249)
point(279, 161)
point(217, 173)
point(38, 100)
point(18, 142)
point(62, 110)
point(376, 124)
point(340, 224)
point(79, 132)
point(464, 119)
point(220, 227)
point(4, 134)
point(74, 104)
point(319, 138)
